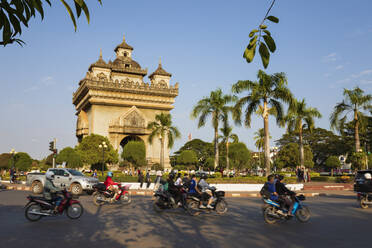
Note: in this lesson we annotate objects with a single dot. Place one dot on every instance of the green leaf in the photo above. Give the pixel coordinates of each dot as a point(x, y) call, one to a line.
point(252, 42)
point(267, 32)
point(263, 26)
point(270, 43)
point(70, 13)
point(39, 8)
point(273, 19)
point(249, 53)
point(253, 32)
point(15, 24)
point(265, 55)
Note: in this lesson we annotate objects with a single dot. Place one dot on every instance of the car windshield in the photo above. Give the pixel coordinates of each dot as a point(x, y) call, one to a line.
point(75, 173)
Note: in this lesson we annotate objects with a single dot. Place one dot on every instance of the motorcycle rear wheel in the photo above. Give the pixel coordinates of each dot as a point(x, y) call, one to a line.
point(221, 207)
point(125, 198)
point(362, 203)
point(266, 214)
point(303, 214)
point(34, 207)
point(74, 211)
point(156, 206)
point(193, 208)
point(96, 201)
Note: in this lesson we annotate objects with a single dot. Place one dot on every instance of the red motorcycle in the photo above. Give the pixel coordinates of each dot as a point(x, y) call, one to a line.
point(103, 195)
point(38, 207)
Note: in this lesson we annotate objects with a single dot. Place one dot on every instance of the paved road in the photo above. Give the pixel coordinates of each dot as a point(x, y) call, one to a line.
point(336, 222)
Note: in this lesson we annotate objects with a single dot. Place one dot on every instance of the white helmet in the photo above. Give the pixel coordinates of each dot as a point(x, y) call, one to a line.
point(49, 175)
point(368, 176)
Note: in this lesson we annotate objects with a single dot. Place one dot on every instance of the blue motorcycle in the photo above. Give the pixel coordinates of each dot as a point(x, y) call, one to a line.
point(273, 211)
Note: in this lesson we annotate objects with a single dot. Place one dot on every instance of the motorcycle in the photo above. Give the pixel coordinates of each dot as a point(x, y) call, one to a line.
point(102, 195)
point(219, 204)
point(364, 199)
point(164, 200)
point(273, 211)
point(39, 207)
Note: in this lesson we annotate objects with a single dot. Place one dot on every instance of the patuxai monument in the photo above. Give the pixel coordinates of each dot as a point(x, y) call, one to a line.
point(113, 100)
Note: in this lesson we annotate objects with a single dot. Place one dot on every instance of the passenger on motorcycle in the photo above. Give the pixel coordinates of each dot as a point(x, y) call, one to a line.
point(50, 191)
point(178, 180)
point(193, 190)
point(111, 185)
point(175, 190)
point(204, 186)
point(269, 188)
point(283, 192)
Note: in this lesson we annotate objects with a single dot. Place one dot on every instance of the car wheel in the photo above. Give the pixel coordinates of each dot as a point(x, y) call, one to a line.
point(76, 189)
point(37, 187)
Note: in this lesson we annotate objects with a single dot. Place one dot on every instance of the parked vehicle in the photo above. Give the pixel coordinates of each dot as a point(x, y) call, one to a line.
point(74, 180)
point(219, 204)
point(38, 207)
point(102, 195)
point(273, 211)
point(363, 188)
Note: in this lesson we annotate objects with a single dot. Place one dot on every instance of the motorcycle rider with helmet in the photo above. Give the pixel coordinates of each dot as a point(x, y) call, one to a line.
point(283, 193)
point(50, 190)
point(204, 195)
point(111, 185)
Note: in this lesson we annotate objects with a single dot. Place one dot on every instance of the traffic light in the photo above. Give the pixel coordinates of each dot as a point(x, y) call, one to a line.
point(51, 146)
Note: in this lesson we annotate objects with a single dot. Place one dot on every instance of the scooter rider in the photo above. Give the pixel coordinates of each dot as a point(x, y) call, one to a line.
point(50, 191)
point(204, 195)
point(111, 185)
point(283, 193)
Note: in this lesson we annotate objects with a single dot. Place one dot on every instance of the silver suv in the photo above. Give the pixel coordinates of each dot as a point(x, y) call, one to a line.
point(73, 180)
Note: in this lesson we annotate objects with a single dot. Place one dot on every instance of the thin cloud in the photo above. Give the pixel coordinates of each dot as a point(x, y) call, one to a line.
point(366, 81)
point(362, 73)
point(327, 75)
point(330, 57)
point(339, 67)
point(343, 81)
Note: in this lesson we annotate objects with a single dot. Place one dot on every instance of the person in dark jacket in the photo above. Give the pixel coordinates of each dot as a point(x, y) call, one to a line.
point(140, 178)
point(283, 193)
point(148, 179)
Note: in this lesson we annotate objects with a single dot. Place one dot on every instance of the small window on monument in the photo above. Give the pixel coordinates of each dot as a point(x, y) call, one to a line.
point(126, 66)
point(125, 54)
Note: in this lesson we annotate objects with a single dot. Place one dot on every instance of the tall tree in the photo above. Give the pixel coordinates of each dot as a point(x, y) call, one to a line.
point(162, 128)
point(226, 136)
point(135, 153)
point(14, 13)
point(266, 94)
point(300, 117)
point(355, 101)
point(203, 150)
point(215, 106)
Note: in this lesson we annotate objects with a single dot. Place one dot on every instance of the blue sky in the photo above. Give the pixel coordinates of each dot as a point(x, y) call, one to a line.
point(323, 47)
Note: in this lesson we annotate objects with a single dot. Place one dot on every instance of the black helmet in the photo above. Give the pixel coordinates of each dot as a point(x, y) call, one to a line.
point(279, 177)
point(204, 176)
point(171, 176)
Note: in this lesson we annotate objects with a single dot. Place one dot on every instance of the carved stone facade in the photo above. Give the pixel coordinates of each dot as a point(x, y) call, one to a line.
point(114, 101)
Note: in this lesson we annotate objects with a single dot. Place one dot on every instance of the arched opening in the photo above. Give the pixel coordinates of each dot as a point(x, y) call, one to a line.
point(124, 142)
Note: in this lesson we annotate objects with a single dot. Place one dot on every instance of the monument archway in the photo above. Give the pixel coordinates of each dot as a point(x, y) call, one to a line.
point(113, 100)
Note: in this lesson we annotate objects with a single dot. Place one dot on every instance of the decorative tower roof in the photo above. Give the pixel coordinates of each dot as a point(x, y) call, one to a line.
point(160, 71)
point(123, 45)
point(100, 62)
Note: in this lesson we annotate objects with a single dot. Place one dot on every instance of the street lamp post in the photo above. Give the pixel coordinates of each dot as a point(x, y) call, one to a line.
point(12, 170)
point(103, 146)
point(13, 152)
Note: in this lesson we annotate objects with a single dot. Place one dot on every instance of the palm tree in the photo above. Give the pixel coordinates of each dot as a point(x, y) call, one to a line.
point(226, 136)
point(300, 116)
point(260, 139)
point(354, 102)
point(264, 95)
point(215, 106)
point(162, 128)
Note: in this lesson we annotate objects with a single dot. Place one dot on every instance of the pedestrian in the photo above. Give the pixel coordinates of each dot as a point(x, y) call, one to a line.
point(148, 179)
point(157, 180)
point(140, 178)
point(305, 175)
point(308, 175)
point(11, 174)
point(95, 173)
